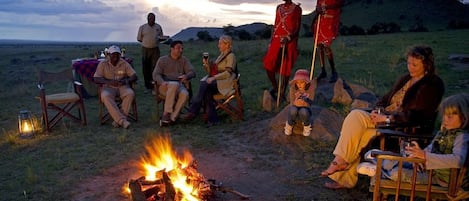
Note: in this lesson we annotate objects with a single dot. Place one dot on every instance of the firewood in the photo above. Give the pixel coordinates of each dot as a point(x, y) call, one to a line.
point(136, 191)
point(169, 188)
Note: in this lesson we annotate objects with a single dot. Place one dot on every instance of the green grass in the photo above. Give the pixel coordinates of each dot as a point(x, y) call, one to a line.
point(49, 166)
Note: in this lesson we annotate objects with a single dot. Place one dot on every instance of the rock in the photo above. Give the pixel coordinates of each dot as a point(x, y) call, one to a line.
point(267, 101)
point(326, 123)
point(341, 94)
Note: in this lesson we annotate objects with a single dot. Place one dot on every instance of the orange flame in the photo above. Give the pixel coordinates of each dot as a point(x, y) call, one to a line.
point(161, 156)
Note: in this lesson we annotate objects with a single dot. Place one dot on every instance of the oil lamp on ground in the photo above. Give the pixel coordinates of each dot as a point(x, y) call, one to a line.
point(26, 124)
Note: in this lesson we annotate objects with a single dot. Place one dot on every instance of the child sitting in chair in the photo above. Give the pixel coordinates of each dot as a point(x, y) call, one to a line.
point(447, 150)
point(301, 98)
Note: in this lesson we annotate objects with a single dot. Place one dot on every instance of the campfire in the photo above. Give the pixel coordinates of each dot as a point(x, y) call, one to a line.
point(170, 177)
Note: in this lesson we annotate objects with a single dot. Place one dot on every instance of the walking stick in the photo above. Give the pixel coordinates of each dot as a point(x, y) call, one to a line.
point(280, 76)
point(315, 47)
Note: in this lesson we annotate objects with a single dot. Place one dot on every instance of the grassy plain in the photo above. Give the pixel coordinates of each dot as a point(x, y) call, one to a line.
point(50, 166)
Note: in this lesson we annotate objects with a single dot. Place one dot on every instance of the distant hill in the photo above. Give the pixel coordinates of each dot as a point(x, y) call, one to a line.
point(191, 32)
point(432, 14)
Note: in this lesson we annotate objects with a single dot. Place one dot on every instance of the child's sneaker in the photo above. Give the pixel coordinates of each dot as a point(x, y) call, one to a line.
point(366, 168)
point(288, 129)
point(307, 130)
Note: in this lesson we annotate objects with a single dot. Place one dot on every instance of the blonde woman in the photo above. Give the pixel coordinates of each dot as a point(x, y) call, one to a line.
point(220, 81)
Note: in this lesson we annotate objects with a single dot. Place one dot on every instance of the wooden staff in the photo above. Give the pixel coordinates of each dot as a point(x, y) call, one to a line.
point(314, 49)
point(280, 76)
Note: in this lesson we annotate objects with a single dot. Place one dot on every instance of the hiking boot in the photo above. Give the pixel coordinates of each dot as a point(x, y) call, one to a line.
point(188, 116)
point(166, 118)
point(288, 128)
point(115, 124)
point(273, 93)
point(307, 130)
point(322, 75)
point(125, 124)
point(333, 77)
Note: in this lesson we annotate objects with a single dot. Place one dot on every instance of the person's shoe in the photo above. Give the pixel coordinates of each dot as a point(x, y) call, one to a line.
point(288, 129)
point(322, 75)
point(166, 119)
point(211, 124)
point(273, 93)
point(115, 124)
point(334, 77)
point(366, 168)
point(335, 167)
point(333, 185)
point(188, 116)
point(307, 130)
point(125, 124)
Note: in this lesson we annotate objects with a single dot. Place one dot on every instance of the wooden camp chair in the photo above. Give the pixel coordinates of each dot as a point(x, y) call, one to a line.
point(382, 188)
point(62, 96)
point(104, 114)
point(232, 103)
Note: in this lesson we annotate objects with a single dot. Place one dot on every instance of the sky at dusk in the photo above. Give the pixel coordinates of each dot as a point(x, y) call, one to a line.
point(118, 20)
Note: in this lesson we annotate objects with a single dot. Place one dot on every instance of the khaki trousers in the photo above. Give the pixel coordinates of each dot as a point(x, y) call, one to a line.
point(176, 96)
point(357, 131)
point(108, 96)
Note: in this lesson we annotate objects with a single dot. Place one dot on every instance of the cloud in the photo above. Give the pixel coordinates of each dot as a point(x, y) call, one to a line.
point(118, 20)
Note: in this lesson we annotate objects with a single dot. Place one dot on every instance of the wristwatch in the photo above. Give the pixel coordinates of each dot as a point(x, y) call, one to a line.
point(388, 120)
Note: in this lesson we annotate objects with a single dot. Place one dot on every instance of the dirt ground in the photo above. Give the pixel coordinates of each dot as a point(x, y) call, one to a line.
point(256, 162)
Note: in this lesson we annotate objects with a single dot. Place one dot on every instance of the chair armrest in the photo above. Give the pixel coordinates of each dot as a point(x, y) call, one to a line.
point(395, 156)
point(397, 133)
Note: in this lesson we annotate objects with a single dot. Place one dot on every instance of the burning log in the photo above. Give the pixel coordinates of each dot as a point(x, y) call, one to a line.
point(171, 178)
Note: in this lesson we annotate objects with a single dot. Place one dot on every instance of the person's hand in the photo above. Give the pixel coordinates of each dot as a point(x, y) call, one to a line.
point(210, 80)
point(182, 78)
point(414, 150)
point(321, 10)
point(115, 83)
point(284, 40)
point(377, 118)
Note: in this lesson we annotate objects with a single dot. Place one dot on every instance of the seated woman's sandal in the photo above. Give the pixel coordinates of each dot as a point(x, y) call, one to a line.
point(334, 167)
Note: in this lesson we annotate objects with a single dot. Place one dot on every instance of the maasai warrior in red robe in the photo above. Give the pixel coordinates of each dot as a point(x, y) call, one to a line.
point(329, 12)
point(285, 34)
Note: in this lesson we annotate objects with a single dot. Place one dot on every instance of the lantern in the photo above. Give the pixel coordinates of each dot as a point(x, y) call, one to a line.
point(26, 124)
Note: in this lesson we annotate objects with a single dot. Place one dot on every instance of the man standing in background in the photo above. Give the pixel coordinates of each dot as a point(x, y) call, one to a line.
point(282, 51)
point(329, 12)
point(149, 35)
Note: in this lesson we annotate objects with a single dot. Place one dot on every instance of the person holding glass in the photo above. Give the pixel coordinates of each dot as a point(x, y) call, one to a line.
point(447, 150)
point(413, 100)
point(219, 80)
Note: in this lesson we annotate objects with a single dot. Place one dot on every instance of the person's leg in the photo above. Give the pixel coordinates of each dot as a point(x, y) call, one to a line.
point(108, 96)
point(170, 98)
point(181, 100)
point(330, 58)
point(323, 73)
point(273, 81)
point(284, 86)
point(304, 115)
point(127, 95)
point(357, 130)
point(292, 115)
point(146, 63)
point(154, 58)
point(197, 100)
point(210, 103)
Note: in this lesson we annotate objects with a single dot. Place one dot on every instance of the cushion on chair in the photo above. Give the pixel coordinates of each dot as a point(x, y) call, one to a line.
point(62, 98)
point(220, 96)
